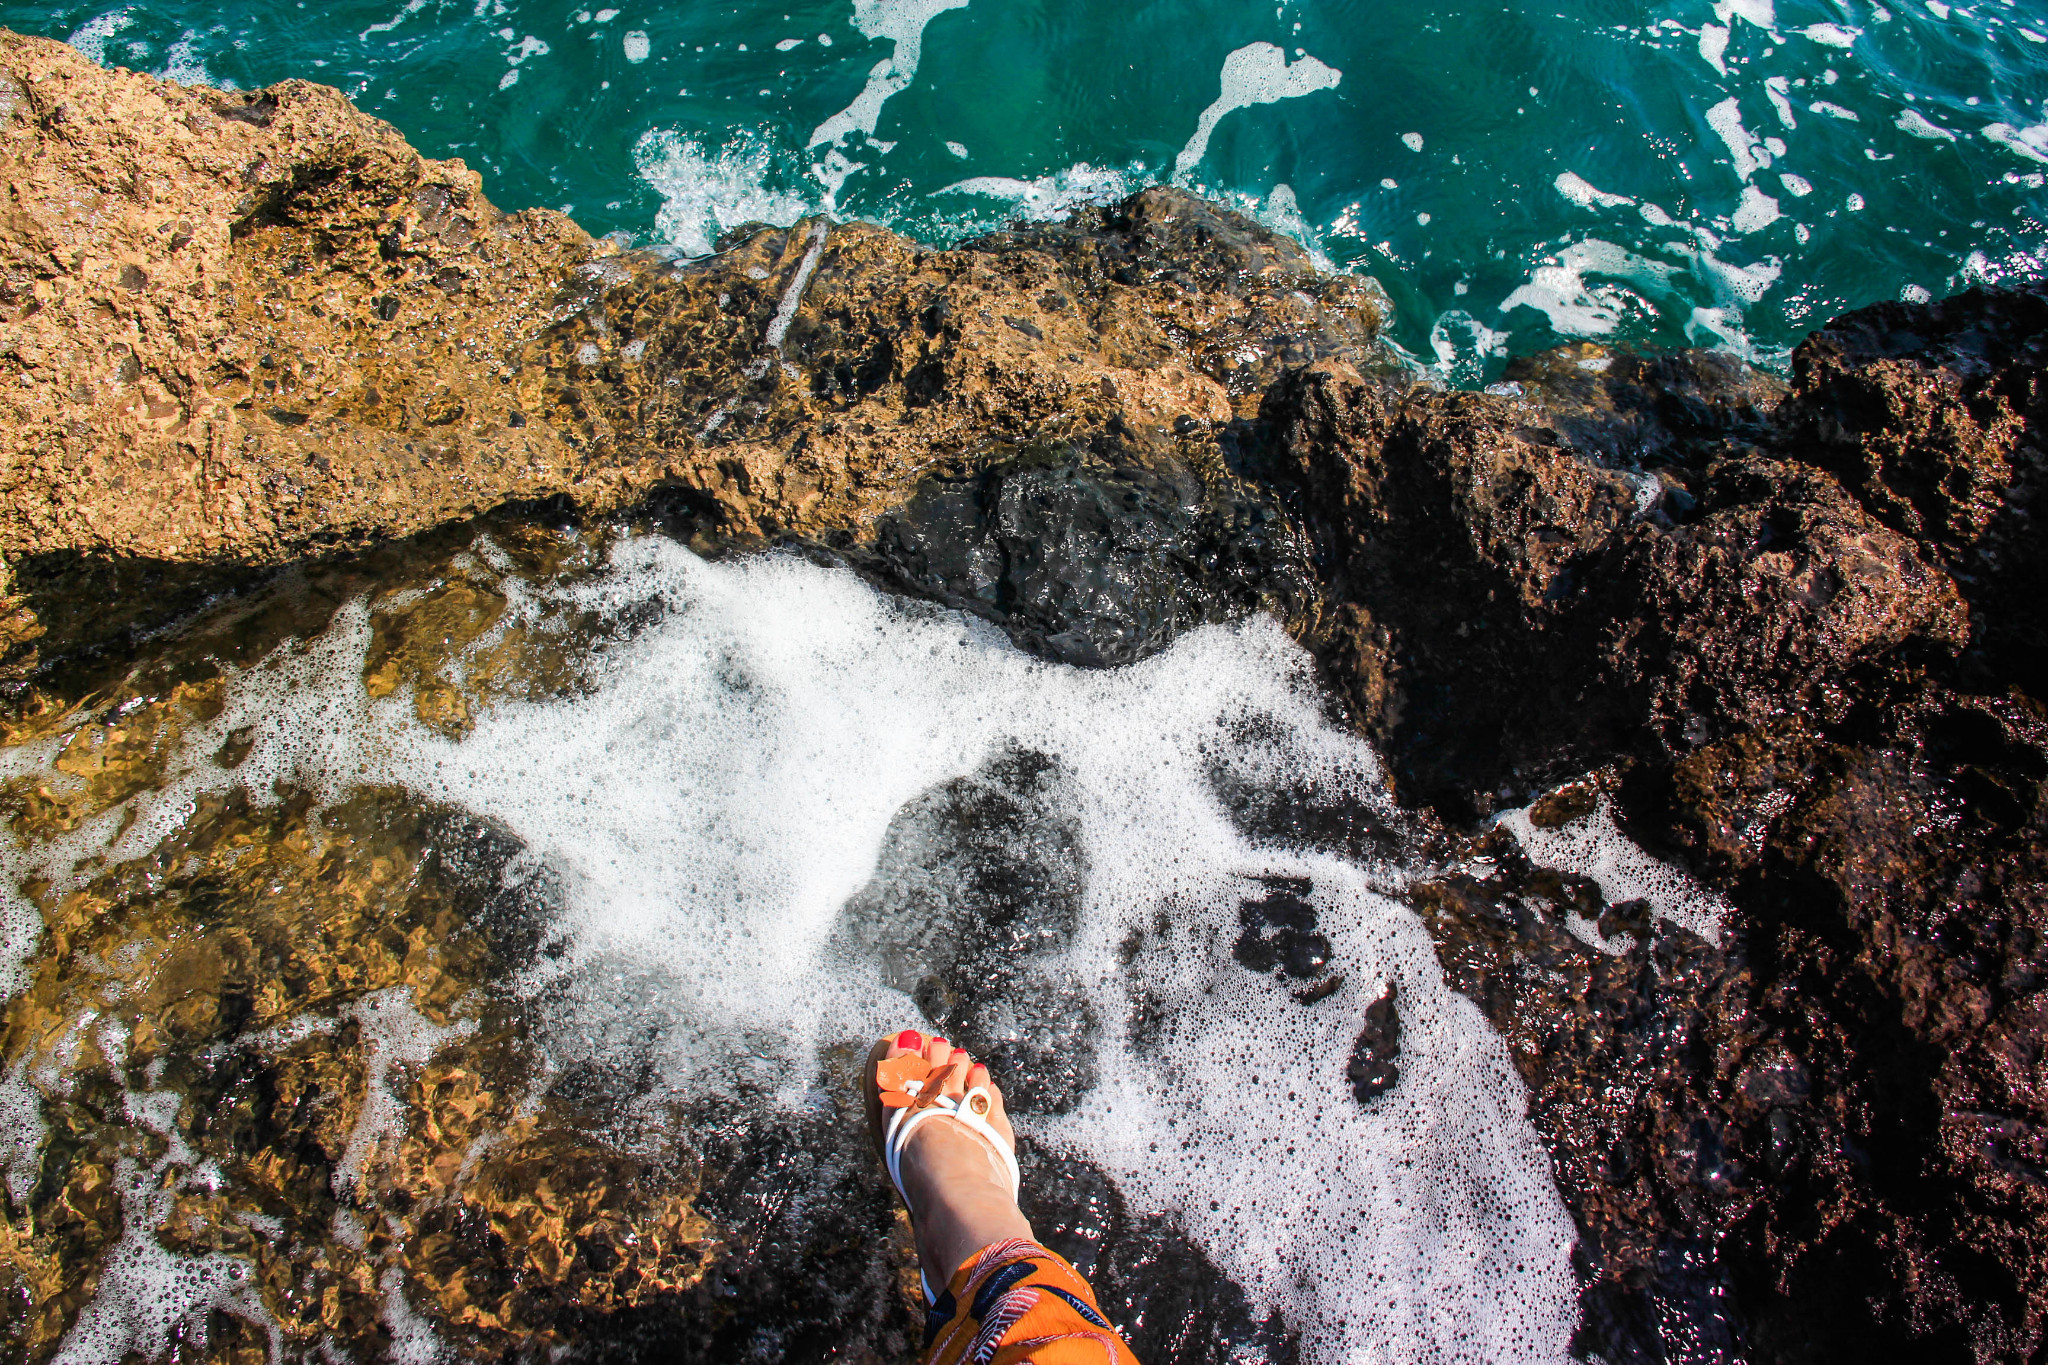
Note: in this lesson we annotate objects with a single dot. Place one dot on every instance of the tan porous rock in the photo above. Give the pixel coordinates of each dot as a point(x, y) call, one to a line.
point(241, 327)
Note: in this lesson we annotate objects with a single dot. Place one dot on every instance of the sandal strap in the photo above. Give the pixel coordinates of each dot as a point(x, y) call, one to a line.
point(903, 1122)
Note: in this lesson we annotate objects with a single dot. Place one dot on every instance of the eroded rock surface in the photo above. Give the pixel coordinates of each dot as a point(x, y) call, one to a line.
point(1794, 630)
point(247, 327)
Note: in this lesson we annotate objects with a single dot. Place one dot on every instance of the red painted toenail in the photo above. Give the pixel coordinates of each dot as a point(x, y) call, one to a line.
point(940, 1042)
point(910, 1039)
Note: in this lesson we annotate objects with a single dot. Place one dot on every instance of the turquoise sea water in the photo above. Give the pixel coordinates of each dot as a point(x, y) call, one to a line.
point(1724, 172)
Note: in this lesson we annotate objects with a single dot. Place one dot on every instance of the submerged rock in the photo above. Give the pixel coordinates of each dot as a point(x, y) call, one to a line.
point(976, 893)
point(1375, 1057)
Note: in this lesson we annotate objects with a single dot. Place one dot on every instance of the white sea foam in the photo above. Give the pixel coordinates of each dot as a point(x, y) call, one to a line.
point(22, 1131)
point(90, 38)
point(410, 8)
point(185, 64)
point(1756, 211)
point(725, 785)
point(1463, 346)
point(1761, 13)
point(1049, 197)
point(144, 1292)
point(1558, 288)
point(1746, 152)
point(903, 22)
point(2031, 143)
point(1714, 46)
point(1832, 35)
point(1258, 73)
point(704, 192)
point(393, 1034)
point(1913, 122)
point(1594, 847)
point(1572, 187)
point(1777, 89)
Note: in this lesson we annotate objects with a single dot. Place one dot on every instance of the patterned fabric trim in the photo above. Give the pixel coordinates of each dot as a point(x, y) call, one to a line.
point(1014, 1303)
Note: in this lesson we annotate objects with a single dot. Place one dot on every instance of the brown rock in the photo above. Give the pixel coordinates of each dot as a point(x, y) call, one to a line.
point(1747, 615)
point(1450, 526)
point(247, 327)
point(1932, 414)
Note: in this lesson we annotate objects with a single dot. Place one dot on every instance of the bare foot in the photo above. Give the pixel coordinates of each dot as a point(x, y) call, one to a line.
point(957, 1186)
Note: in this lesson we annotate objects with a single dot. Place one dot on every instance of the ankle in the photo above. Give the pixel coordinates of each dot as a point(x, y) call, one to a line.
point(951, 1235)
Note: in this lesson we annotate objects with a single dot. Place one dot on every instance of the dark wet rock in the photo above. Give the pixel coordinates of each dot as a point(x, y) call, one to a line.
point(1752, 611)
point(1452, 531)
point(1801, 630)
point(1090, 560)
point(1803, 660)
point(1279, 932)
point(1626, 1056)
point(1670, 412)
point(1374, 1065)
point(1934, 416)
point(1271, 800)
point(1155, 1285)
point(978, 885)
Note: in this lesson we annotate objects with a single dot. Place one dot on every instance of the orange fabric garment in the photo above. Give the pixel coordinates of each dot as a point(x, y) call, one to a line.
point(1014, 1302)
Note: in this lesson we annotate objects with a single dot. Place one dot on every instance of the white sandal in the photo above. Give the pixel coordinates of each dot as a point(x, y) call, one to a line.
point(912, 1107)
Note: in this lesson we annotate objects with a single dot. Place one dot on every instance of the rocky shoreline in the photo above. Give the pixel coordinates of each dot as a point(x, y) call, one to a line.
point(1780, 627)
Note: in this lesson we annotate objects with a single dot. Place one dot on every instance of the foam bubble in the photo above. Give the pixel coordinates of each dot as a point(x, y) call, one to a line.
point(393, 1034)
point(2031, 143)
point(1258, 73)
point(1049, 197)
point(22, 1132)
point(186, 65)
point(1714, 46)
point(1832, 35)
point(1756, 212)
point(1761, 13)
point(903, 22)
point(90, 38)
point(411, 8)
point(1572, 187)
point(705, 192)
point(726, 784)
point(1916, 124)
point(1594, 847)
point(1558, 288)
point(1778, 90)
point(145, 1293)
point(1746, 153)
point(1463, 346)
